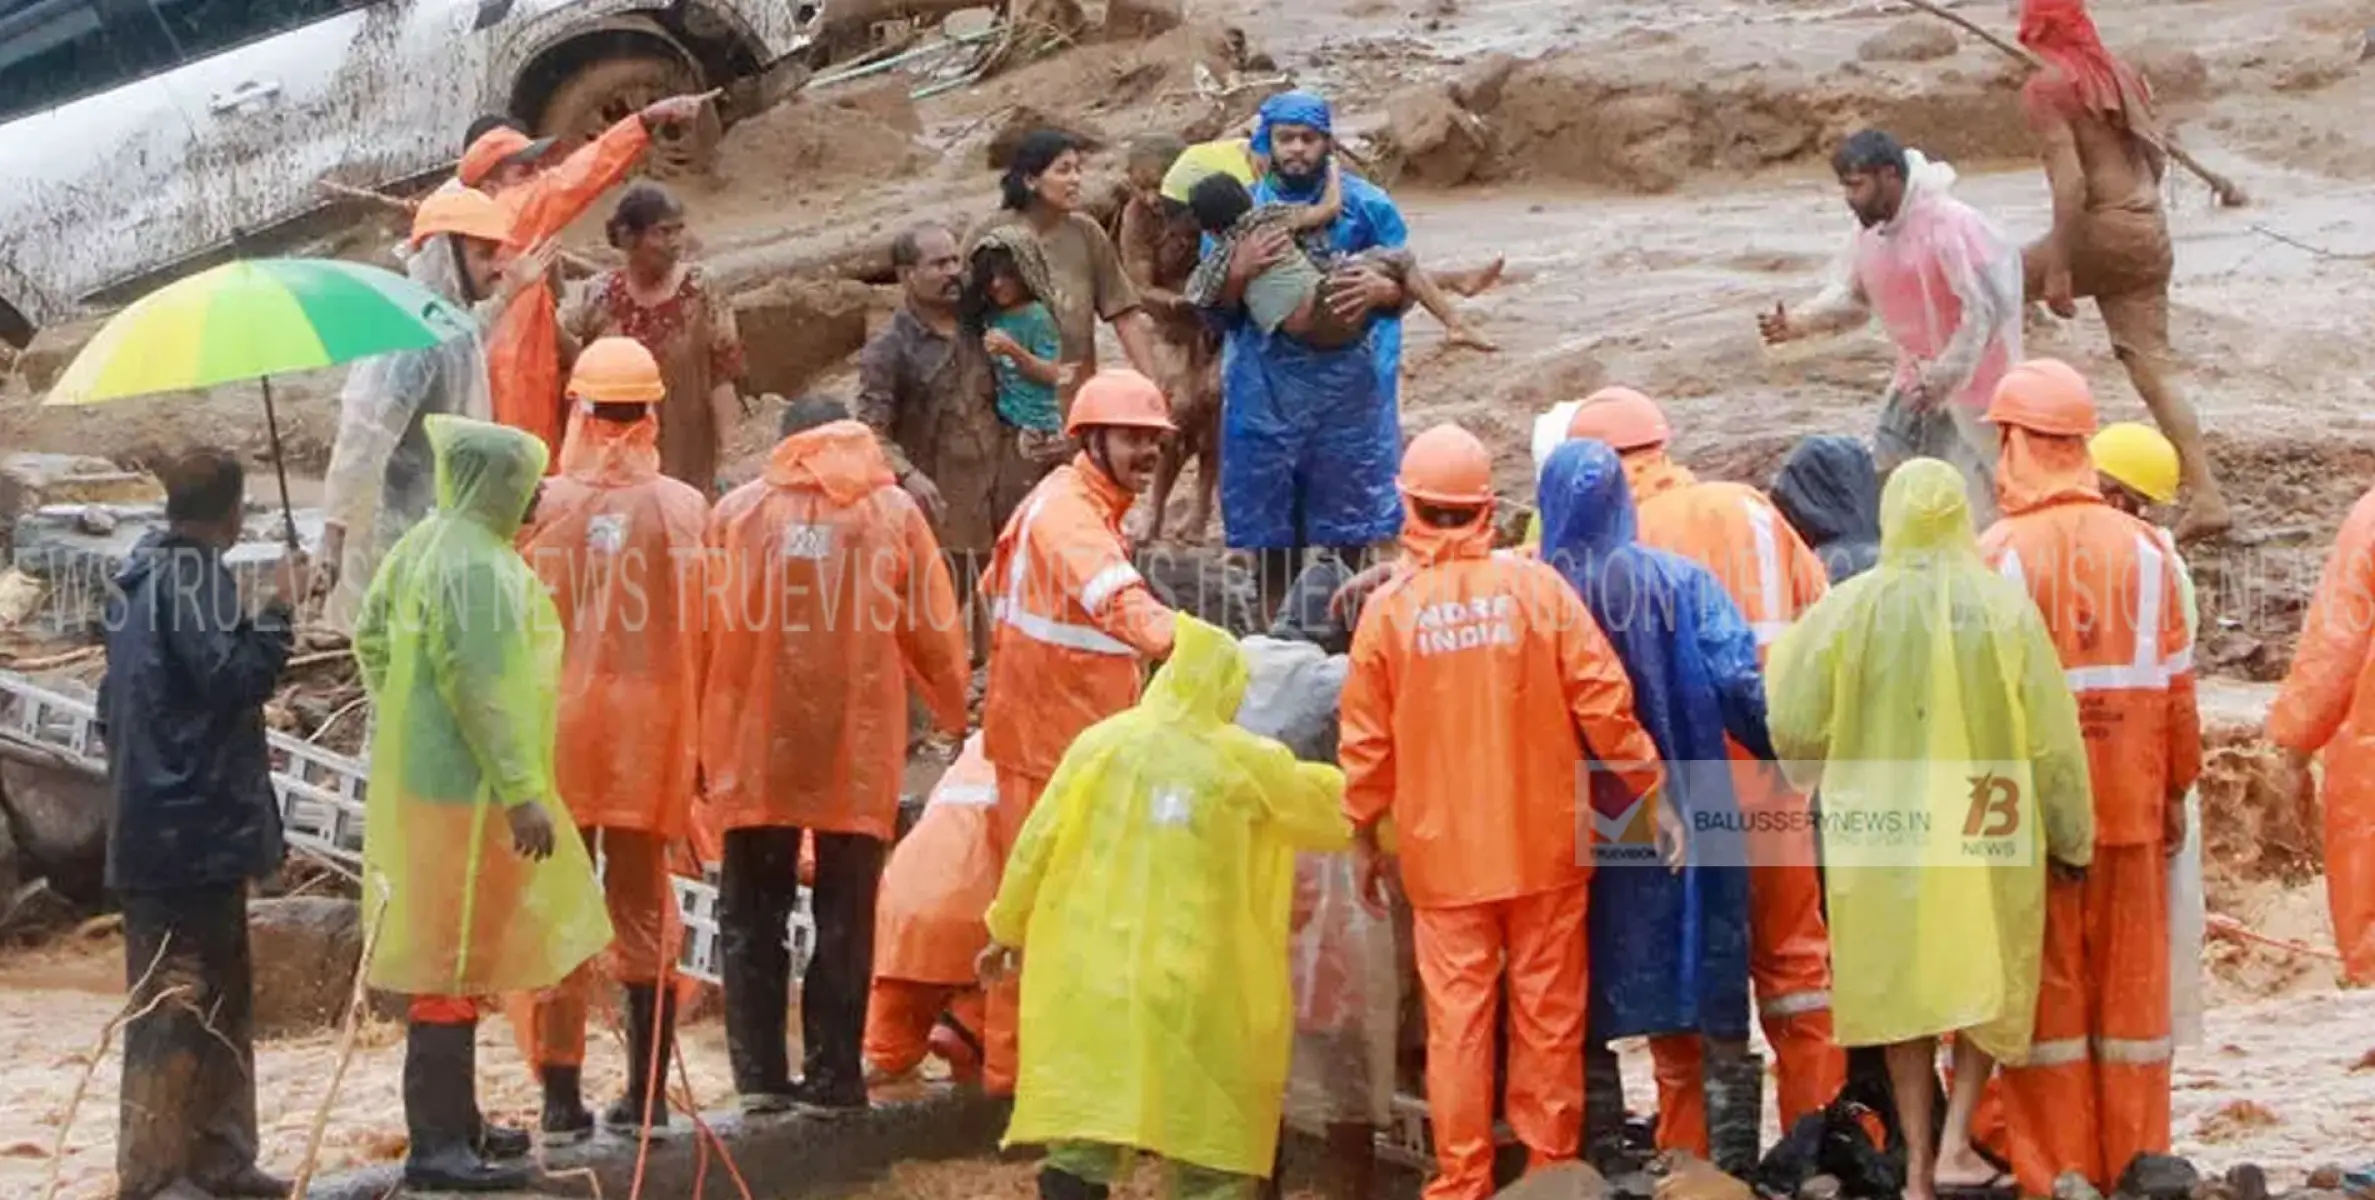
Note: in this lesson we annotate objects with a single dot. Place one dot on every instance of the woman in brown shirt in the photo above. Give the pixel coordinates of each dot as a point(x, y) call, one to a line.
point(1042, 191)
point(668, 305)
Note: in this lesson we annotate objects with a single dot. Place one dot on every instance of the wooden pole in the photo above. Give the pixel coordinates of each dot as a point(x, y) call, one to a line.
point(2229, 195)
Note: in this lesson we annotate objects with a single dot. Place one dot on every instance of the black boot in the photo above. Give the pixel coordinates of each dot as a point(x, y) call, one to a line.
point(645, 1008)
point(1063, 1185)
point(1735, 1111)
point(566, 1121)
point(441, 1110)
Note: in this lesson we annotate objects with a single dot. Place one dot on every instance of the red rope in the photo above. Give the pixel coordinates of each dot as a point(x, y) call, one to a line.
point(689, 1102)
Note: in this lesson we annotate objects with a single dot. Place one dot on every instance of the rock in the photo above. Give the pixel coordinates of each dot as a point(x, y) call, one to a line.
point(2327, 1178)
point(21, 596)
point(60, 820)
point(1133, 20)
point(2175, 70)
point(52, 349)
point(1478, 88)
point(1440, 143)
point(97, 520)
point(2071, 1185)
point(2158, 1177)
point(2248, 1181)
point(1821, 1187)
point(306, 950)
point(1025, 119)
point(1693, 1178)
point(1914, 39)
point(1566, 1181)
point(796, 330)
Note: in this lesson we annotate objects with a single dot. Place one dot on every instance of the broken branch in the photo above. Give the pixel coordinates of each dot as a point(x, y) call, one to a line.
point(2317, 251)
point(107, 1032)
point(2228, 194)
point(346, 1048)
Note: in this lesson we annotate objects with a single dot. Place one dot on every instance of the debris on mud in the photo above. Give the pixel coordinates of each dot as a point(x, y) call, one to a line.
point(1914, 39)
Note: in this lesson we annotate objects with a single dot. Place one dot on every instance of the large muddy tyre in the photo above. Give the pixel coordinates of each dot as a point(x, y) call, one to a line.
point(607, 91)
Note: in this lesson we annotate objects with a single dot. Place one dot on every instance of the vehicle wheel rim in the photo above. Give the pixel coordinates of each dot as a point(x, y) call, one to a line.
point(676, 151)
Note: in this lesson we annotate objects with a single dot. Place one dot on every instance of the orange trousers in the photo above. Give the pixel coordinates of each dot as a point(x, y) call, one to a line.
point(1789, 960)
point(1461, 954)
point(903, 1018)
point(1018, 794)
point(551, 1025)
point(2095, 1091)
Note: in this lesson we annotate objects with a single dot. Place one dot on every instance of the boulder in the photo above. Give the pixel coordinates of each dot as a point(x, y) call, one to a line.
point(797, 329)
point(1692, 1178)
point(1025, 119)
point(306, 950)
point(1440, 143)
point(2158, 1177)
point(52, 349)
point(2247, 1181)
point(1479, 86)
point(59, 816)
point(1914, 39)
point(2174, 69)
point(1136, 20)
point(1566, 1181)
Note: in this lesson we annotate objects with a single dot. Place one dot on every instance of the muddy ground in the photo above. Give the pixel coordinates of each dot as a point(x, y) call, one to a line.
point(1654, 174)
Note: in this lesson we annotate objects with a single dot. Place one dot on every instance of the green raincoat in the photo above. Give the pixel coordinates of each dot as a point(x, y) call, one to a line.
point(1150, 892)
point(461, 651)
point(1926, 700)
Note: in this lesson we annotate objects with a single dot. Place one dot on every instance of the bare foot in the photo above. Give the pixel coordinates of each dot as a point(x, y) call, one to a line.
point(1965, 1171)
point(2204, 520)
point(1468, 283)
point(1461, 335)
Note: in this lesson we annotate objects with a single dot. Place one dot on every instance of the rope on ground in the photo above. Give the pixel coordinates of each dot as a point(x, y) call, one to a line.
point(328, 721)
point(2313, 251)
point(2229, 927)
point(90, 1067)
point(346, 1047)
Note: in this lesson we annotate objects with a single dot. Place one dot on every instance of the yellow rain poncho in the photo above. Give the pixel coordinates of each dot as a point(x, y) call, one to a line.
point(461, 651)
point(1150, 892)
point(1925, 699)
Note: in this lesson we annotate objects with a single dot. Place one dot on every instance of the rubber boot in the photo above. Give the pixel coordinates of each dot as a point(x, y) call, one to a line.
point(758, 996)
point(1064, 1185)
point(1735, 1111)
point(1604, 1112)
point(566, 1121)
point(441, 1111)
point(645, 1009)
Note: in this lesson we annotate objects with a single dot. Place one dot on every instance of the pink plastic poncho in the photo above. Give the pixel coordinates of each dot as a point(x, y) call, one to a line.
point(1944, 280)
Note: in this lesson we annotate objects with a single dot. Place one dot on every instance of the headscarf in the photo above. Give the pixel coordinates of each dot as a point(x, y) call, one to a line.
point(2091, 79)
point(2037, 470)
point(1030, 258)
point(1290, 108)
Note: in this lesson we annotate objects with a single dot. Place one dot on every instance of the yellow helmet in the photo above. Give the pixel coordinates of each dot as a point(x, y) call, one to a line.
point(2139, 457)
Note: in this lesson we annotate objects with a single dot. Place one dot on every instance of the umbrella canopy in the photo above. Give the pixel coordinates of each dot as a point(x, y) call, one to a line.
point(253, 318)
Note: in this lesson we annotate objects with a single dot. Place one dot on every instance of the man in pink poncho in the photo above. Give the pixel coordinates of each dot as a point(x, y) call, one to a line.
point(1946, 284)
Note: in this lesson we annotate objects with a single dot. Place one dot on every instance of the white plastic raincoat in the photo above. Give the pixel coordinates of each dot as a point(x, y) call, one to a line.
point(460, 649)
point(1921, 696)
point(1150, 892)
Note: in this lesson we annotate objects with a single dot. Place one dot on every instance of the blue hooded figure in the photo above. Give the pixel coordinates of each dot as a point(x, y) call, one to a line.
point(1311, 435)
point(1669, 951)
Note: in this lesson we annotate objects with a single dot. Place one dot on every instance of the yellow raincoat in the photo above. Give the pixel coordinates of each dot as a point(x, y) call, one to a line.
point(461, 650)
point(1150, 892)
point(1927, 690)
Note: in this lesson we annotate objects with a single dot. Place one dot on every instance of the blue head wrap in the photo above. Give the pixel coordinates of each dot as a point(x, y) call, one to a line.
point(1290, 108)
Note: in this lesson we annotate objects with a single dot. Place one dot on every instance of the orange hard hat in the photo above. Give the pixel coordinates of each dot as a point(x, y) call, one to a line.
point(464, 211)
point(1621, 417)
point(617, 370)
point(495, 147)
point(1447, 465)
point(2045, 395)
point(1119, 397)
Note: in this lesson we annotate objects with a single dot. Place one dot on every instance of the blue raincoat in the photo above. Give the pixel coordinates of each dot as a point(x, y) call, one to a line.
point(1669, 952)
point(1311, 438)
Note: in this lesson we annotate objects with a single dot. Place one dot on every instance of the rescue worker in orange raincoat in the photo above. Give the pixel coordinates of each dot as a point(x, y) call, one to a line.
point(928, 928)
point(1479, 684)
point(2094, 1092)
point(827, 595)
point(1073, 622)
point(1733, 530)
point(619, 547)
point(2327, 706)
point(524, 358)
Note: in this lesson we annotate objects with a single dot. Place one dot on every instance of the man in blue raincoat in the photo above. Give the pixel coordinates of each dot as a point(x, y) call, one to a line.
point(1310, 436)
point(1669, 948)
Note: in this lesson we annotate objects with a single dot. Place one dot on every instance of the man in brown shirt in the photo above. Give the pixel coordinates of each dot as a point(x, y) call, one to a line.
point(1159, 249)
point(931, 400)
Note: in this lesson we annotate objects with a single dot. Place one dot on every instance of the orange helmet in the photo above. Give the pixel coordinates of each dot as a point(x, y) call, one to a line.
point(1119, 397)
point(1447, 465)
point(617, 370)
point(496, 147)
point(1621, 417)
point(2044, 395)
point(465, 211)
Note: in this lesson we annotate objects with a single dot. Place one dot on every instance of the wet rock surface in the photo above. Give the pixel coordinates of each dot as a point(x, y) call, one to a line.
point(305, 950)
point(58, 816)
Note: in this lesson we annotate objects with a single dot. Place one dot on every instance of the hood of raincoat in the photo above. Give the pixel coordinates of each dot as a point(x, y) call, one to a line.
point(1109, 495)
point(2038, 471)
point(2090, 77)
point(1203, 681)
point(1652, 474)
point(485, 472)
point(1925, 179)
point(611, 453)
point(1429, 544)
point(1829, 491)
point(1586, 501)
point(841, 459)
point(1925, 511)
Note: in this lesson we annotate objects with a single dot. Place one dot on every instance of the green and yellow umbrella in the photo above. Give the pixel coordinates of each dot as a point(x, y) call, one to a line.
point(252, 319)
